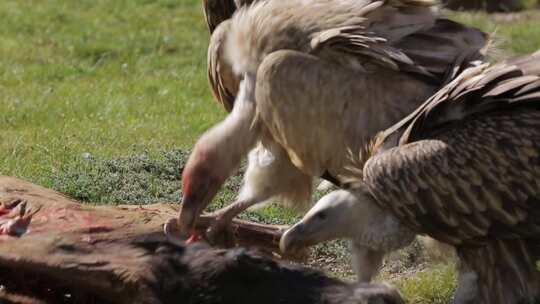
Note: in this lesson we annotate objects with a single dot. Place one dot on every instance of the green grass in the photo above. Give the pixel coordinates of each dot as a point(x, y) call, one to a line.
point(102, 100)
point(433, 286)
point(102, 77)
point(514, 34)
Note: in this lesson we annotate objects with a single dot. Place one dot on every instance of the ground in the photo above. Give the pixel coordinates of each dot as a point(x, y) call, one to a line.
point(102, 101)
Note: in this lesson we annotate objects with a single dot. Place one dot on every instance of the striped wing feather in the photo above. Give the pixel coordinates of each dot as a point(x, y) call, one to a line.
point(467, 164)
point(473, 181)
point(478, 90)
point(426, 51)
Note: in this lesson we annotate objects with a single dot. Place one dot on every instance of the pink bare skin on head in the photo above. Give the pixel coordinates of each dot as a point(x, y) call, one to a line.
point(216, 156)
point(201, 180)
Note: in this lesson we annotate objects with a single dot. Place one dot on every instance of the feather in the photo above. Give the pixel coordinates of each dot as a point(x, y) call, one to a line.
point(511, 84)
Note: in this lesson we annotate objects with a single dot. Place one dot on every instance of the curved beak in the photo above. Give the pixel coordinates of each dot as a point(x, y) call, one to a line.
point(194, 202)
point(189, 213)
point(293, 239)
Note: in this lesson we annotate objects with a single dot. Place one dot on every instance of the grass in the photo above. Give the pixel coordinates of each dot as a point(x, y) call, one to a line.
point(102, 100)
point(514, 34)
point(99, 77)
point(434, 286)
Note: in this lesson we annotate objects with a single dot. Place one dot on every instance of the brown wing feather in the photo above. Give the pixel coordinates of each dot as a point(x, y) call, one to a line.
point(223, 82)
point(429, 53)
point(217, 11)
point(439, 47)
point(476, 180)
point(477, 90)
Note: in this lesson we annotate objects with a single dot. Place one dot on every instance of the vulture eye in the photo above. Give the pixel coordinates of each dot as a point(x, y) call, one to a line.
point(321, 216)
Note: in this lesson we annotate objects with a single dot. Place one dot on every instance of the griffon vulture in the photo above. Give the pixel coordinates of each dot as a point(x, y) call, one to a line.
point(464, 168)
point(319, 77)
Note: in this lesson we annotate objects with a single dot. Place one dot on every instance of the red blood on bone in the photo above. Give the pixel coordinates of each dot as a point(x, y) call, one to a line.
point(194, 237)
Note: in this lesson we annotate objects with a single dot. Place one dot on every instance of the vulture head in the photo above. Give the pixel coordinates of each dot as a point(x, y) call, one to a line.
point(339, 214)
point(201, 179)
point(215, 157)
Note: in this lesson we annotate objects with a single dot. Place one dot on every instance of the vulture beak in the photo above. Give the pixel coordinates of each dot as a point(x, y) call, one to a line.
point(294, 239)
point(194, 201)
point(189, 214)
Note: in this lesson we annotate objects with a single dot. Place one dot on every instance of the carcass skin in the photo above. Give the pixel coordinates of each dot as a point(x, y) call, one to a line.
point(70, 252)
point(337, 81)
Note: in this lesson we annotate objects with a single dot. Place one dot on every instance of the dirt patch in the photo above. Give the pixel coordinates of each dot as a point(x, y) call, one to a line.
point(335, 259)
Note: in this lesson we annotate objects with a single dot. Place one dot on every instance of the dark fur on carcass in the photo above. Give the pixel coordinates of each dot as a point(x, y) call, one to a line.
point(149, 269)
point(244, 276)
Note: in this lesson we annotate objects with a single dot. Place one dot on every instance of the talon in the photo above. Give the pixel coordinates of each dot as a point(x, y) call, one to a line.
point(219, 233)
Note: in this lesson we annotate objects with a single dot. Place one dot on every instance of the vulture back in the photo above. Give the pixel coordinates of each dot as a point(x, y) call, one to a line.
point(401, 35)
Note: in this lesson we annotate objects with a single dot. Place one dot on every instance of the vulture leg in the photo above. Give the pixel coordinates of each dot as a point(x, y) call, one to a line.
point(269, 173)
point(366, 262)
point(505, 271)
point(219, 232)
point(467, 288)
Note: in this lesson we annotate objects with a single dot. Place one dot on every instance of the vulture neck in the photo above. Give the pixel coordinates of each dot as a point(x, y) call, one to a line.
point(239, 132)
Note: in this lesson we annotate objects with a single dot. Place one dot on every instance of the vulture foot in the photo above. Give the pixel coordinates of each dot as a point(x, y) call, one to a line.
point(220, 233)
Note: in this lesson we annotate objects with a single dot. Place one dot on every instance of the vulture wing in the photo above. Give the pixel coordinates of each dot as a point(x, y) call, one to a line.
point(217, 11)
point(223, 82)
point(428, 49)
point(467, 165)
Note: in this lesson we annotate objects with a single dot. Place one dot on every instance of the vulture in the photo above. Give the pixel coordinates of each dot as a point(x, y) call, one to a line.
point(341, 214)
point(319, 77)
point(464, 168)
